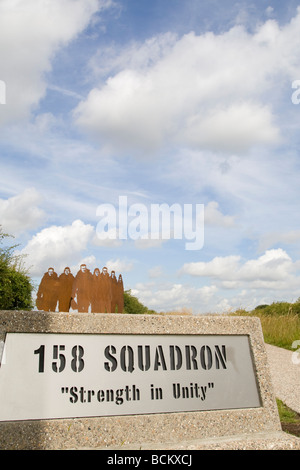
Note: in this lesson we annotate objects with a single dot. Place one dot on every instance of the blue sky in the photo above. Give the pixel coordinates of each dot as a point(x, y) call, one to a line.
point(163, 101)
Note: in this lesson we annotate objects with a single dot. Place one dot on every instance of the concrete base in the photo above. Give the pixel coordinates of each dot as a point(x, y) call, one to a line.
point(252, 428)
point(259, 441)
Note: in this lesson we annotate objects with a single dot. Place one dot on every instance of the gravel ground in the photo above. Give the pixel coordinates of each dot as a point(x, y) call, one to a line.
point(285, 373)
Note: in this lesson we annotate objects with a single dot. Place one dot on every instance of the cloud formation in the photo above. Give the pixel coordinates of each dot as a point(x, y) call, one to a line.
point(273, 269)
point(176, 296)
point(208, 105)
point(31, 32)
point(21, 212)
point(213, 216)
point(206, 91)
point(57, 246)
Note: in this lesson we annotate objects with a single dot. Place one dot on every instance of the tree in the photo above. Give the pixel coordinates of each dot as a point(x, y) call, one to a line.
point(133, 305)
point(15, 285)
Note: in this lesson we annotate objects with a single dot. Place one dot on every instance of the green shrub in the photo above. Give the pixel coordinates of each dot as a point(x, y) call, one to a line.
point(15, 285)
point(277, 308)
point(133, 305)
point(261, 307)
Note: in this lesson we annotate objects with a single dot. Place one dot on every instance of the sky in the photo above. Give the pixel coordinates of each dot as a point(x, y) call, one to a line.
point(187, 103)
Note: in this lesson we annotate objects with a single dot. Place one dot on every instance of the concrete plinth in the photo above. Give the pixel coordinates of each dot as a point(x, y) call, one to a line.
point(257, 427)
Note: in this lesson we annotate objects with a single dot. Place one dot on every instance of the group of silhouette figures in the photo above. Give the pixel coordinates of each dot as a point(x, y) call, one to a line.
point(99, 292)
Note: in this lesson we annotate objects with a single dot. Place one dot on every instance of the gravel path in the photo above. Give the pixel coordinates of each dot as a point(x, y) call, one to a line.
point(285, 373)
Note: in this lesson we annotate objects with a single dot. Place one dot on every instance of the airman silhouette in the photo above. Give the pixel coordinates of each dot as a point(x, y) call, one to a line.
point(102, 291)
point(97, 304)
point(65, 285)
point(120, 294)
point(47, 295)
point(106, 293)
point(82, 289)
point(114, 292)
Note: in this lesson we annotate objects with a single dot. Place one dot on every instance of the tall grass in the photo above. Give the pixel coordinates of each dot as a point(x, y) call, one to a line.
point(280, 322)
point(182, 311)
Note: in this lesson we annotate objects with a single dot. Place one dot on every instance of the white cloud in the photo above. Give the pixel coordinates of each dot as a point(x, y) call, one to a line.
point(118, 265)
point(229, 283)
point(57, 246)
point(234, 129)
point(273, 265)
point(31, 32)
point(21, 213)
point(156, 271)
point(270, 239)
point(167, 296)
point(108, 60)
point(213, 216)
point(90, 262)
point(209, 91)
point(219, 267)
point(269, 11)
point(273, 269)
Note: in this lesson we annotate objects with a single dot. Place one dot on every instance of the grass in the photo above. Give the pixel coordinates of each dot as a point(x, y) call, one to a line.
point(281, 331)
point(182, 311)
point(280, 322)
point(290, 420)
point(286, 414)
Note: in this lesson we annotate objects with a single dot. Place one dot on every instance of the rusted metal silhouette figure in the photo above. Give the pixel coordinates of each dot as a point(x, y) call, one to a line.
point(106, 292)
point(103, 292)
point(47, 295)
point(97, 304)
point(65, 285)
point(81, 291)
point(114, 291)
point(120, 294)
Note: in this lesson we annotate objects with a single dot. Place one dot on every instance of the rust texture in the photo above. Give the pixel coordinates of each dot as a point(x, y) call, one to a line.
point(99, 292)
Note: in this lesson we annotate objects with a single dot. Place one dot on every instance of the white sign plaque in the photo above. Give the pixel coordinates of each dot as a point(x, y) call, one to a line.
point(44, 376)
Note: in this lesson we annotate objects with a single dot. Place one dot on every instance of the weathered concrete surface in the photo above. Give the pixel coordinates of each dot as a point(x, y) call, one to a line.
point(237, 428)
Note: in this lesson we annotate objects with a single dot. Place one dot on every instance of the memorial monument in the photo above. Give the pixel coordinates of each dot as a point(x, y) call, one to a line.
point(92, 380)
point(79, 378)
point(99, 292)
